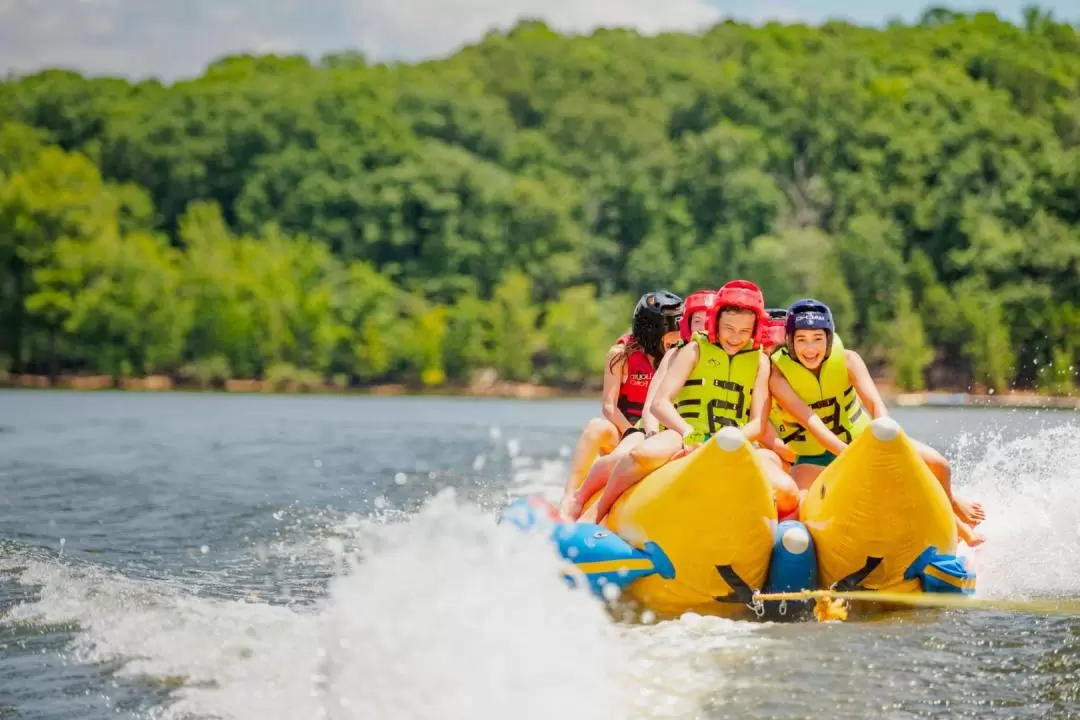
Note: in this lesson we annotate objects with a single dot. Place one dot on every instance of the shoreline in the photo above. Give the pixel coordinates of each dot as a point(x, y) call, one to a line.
point(501, 389)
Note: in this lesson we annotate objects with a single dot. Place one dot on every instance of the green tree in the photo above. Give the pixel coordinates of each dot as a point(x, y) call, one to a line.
point(423, 349)
point(987, 344)
point(573, 336)
point(46, 196)
point(800, 264)
point(909, 175)
point(115, 300)
point(467, 343)
point(908, 353)
point(514, 336)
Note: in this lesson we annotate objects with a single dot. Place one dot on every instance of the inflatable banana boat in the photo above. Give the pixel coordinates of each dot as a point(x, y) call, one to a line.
point(701, 533)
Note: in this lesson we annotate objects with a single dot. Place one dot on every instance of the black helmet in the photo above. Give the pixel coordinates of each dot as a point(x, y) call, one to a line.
point(657, 313)
point(776, 313)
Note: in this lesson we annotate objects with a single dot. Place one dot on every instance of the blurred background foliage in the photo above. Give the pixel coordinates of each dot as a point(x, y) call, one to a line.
point(339, 221)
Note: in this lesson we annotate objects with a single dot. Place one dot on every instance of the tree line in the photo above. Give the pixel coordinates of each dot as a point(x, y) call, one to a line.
point(504, 207)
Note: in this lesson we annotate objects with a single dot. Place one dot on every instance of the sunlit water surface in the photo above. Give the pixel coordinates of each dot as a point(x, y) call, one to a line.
point(217, 556)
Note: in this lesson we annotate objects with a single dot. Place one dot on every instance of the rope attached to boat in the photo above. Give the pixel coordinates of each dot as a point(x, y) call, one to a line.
point(833, 604)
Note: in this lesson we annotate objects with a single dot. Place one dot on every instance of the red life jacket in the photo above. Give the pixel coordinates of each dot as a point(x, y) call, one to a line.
point(639, 373)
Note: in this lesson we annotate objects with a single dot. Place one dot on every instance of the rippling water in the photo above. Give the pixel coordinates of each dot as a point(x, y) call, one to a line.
point(217, 556)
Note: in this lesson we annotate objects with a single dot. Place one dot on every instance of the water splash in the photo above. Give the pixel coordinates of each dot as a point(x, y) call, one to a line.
point(445, 615)
point(1030, 488)
point(457, 619)
point(448, 616)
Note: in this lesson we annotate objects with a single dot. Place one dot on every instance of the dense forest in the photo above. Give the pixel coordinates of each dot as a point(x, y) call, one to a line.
point(503, 208)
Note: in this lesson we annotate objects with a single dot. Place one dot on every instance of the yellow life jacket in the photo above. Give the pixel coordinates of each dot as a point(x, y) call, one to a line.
point(780, 419)
point(829, 394)
point(719, 390)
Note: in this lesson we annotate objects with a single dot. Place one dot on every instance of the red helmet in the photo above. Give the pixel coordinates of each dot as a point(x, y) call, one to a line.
point(773, 334)
point(739, 294)
point(699, 301)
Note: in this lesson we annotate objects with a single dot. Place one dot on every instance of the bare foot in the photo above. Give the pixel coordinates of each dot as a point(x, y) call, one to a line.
point(588, 517)
point(572, 509)
point(969, 511)
point(969, 536)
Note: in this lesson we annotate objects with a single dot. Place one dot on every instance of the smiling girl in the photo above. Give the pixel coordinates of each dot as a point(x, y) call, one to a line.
point(720, 378)
point(832, 397)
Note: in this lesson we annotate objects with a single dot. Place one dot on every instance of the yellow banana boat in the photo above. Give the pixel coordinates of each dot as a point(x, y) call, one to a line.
point(881, 520)
point(712, 514)
point(701, 533)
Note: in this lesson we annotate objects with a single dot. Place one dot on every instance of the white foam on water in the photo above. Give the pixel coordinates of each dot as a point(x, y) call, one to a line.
point(448, 616)
point(544, 478)
point(681, 663)
point(164, 635)
point(458, 619)
point(1030, 489)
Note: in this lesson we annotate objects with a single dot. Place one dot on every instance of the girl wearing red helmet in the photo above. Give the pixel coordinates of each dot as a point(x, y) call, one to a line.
point(694, 319)
point(630, 368)
point(772, 339)
point(720, 378)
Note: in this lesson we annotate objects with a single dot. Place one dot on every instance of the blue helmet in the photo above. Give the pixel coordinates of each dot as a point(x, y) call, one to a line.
point(809, 314)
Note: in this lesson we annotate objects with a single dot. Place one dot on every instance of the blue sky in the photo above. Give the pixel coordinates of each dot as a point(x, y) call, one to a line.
point(140, 38)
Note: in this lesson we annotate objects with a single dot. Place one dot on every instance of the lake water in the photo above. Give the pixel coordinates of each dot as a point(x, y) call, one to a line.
point(277, 557)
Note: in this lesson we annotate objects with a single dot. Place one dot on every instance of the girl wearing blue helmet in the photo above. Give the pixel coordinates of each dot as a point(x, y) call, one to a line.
point(829, 399)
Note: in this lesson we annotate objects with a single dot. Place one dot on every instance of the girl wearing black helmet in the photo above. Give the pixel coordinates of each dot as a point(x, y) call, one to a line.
point(830, 399)
point(694, 319)
point(631, 366)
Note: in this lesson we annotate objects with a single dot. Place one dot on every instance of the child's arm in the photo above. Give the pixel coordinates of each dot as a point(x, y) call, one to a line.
point(613, 372)
point(770, 440)
point(790, 401)
point(649, 421)
point(859, 376)
point(755, 426)
point(663, 404)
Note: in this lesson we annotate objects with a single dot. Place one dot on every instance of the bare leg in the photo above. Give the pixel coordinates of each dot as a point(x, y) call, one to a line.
point(805, 475)
point(787, 492)
point(594, 481)
point(969, 511)
point(599, 438)
point(629, 471)
point(598, 476)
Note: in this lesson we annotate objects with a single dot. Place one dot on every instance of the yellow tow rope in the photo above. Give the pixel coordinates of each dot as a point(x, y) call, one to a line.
point(832, 604)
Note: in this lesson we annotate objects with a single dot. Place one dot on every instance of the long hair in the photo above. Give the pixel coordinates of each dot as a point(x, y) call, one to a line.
point(621, 352)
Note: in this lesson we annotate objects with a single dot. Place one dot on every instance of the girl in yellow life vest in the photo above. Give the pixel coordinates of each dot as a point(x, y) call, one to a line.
point(694, 319)
point(718, 379)
point(829, 394)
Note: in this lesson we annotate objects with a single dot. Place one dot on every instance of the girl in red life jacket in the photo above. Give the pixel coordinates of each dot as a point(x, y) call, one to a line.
point(630, 367)
point(694, 319)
